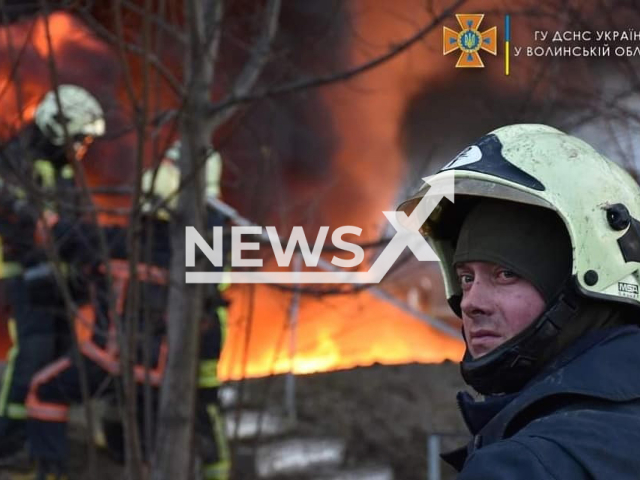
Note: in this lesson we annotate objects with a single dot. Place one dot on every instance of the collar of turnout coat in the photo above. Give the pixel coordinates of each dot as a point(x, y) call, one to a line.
point(599, 371)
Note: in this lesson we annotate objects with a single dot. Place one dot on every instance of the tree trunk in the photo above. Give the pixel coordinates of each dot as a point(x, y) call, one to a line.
point(174, 442)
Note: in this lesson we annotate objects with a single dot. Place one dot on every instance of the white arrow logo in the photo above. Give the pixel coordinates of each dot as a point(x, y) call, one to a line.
point(469, 155)
point(407, 236)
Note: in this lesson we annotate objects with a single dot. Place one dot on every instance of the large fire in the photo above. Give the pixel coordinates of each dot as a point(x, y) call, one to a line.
point(344, 332)
point(329, 334)
point(332, 332)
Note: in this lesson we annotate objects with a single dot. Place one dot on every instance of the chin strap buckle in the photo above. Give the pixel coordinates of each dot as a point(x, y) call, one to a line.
point(564, 308)
point(523, 361)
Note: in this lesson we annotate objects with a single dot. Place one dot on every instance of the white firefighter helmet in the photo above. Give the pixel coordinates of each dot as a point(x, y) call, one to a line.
point(160, 185)
point(597, 200)
point(81, 113)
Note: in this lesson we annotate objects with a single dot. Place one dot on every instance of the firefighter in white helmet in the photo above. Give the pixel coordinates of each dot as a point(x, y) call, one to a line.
point(81, 117)
point(160, 187)
point(55, 386)
point(540, 254)
point(37, 172)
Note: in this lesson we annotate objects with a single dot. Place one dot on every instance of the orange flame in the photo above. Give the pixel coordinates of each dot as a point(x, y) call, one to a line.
point(330, 333)
point(343, 332)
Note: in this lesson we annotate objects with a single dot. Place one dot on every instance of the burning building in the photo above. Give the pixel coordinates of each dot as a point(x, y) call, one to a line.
point(329, 147)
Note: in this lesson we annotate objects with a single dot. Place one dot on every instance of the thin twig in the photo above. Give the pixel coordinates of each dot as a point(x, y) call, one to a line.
point(128, 324)
point(253, 68)
point(153, 59)
point(238, 96)
point(70, 306)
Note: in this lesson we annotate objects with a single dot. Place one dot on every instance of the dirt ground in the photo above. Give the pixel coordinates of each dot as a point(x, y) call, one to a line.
point(385, 413)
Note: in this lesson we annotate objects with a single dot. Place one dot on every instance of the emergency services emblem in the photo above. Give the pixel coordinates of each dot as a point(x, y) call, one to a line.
point(469, 40)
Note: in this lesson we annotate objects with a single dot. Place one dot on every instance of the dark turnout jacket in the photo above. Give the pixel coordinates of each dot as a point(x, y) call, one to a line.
point(578, 420)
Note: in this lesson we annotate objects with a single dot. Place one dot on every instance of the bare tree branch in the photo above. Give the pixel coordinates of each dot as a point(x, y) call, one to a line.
point(129, 342)
point(253, 68)
point(16, 59)
point(178, 391)
point(153, 59)
point(70, 306)
point(237, 97)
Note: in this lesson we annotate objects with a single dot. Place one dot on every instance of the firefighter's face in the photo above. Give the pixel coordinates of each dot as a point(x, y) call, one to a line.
point(80, 146)
point(496, 305)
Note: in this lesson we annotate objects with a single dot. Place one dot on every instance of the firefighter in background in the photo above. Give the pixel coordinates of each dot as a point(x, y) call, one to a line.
point(161, 185)
point(35, 172)
point(57, 384)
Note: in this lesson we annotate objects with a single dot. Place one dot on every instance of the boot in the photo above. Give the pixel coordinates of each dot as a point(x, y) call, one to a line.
point(13, 451)
point(50, 470)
